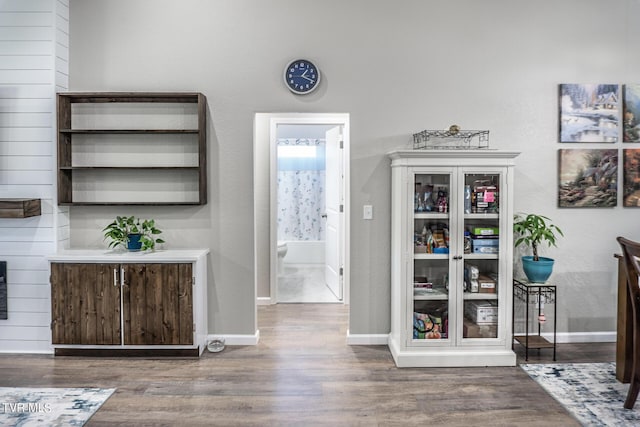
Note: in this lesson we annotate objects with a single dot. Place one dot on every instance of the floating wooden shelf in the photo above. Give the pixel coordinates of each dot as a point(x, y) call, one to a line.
point(19, 208)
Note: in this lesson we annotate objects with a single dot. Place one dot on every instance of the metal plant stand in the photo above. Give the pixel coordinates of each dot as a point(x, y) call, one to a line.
point(522, 292)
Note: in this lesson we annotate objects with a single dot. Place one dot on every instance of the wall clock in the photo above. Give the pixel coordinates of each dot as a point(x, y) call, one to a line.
point(301, 76)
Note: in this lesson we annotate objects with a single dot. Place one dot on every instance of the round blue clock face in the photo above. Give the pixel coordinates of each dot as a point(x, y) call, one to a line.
point(301, 76)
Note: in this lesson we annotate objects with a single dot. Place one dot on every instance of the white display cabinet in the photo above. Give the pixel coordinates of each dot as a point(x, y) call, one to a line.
point(452, 258)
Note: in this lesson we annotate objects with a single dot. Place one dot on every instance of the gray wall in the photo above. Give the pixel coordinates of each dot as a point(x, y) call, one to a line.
point(396, 68)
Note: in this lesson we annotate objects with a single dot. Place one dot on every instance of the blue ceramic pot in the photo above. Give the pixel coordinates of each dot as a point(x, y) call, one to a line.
point(537, 271)
point(134, 243)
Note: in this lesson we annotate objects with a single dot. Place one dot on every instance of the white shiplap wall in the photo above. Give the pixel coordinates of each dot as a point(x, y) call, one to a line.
point(34, 57)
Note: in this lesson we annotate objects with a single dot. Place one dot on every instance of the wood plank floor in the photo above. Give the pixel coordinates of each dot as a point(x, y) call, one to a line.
point(303, 373)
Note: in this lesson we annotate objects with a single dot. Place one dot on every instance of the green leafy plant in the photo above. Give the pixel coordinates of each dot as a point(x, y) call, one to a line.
point(533, 230)
point(122, 227)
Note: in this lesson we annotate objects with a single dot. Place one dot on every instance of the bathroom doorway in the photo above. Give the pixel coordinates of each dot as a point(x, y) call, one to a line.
point(307, 178)
point(308, 158)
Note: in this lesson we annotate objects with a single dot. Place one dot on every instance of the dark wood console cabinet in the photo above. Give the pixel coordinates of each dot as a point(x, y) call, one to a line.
point(130, 304)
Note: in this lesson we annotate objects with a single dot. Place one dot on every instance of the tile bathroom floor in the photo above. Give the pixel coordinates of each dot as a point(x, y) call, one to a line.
point(304, 283)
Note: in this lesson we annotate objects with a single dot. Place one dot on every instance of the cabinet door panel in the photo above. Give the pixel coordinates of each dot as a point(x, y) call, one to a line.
point(85, 304)
point(158, 304)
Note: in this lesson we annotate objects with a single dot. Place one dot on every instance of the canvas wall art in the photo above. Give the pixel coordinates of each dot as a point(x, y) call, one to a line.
point(589, 113)
point(587, 178)
point(631, 177)
point(631, 113)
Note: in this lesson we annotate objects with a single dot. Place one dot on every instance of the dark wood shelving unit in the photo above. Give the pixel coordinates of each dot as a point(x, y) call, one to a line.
point(20, 208)
point(68, 172)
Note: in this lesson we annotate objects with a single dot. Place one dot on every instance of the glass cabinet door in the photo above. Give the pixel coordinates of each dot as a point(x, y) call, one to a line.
point(481, 248)
point(431, 243)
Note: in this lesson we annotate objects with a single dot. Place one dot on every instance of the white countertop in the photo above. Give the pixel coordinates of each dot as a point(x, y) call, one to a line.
point(110, 256)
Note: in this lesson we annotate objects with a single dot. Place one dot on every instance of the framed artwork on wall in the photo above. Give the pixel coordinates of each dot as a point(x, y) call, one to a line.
point(631, 177)
point(589, 112)
point(631, 113)
point(587, 178)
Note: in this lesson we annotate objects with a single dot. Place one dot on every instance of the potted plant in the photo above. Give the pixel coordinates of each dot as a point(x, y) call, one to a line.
point(532, 230)
point(132, 232)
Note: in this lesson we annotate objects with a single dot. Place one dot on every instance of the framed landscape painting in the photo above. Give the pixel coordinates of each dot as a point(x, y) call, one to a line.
point(631, 177)
point(589, 113)
point(631, 113)
point(587, 178)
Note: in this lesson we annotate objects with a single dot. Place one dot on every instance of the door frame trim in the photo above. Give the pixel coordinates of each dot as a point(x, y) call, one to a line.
point(268, 122)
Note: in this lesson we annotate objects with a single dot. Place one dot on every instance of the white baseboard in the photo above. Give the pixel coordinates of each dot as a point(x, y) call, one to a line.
point(237, 339)
point(367, 339)
point(561, 338)
point(263, 300)
point(581, 337)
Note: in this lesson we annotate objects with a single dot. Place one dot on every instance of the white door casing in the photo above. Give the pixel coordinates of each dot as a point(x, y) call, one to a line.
point(265, 127)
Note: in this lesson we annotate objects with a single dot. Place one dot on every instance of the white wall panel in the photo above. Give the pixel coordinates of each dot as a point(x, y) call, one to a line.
point(18, 19)
point(62, 10)
point(28, 305)
point(42, 163)
point(26, 142)
point(28, 284)
point(27, 5)
point(22, 105)
point(26, 33)
point(62, 66)
point(37, 120)
point(20, 77)
point(18, 62)
point(62, 80)
point(25, 177)
point(27, 319)
point(42, 221)
point(26, 262)
point(26, 234)
point(39, 333)
point(62, 38)
point(25, 248)
point(41, 91)
point(30, 32)
point(25, 47)
point(9, 191)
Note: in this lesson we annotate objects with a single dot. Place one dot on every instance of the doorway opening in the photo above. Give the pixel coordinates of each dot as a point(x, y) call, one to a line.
point(308, 170)
point(303, 155)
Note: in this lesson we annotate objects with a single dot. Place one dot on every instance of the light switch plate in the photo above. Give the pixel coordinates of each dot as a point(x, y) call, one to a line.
point(367, 212)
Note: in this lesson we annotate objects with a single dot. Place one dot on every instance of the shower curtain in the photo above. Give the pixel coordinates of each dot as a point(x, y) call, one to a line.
point(301, 183)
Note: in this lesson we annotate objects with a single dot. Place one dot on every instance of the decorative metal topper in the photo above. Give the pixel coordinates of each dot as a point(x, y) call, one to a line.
point(453, 137)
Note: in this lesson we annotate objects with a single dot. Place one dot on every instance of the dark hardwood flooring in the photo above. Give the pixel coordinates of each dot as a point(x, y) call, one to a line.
point(303, 373)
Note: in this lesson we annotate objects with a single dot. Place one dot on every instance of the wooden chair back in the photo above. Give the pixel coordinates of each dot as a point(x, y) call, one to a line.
point(631, 253)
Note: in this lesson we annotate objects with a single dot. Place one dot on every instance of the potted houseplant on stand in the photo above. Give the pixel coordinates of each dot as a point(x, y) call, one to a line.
point(532, 230)
point(133, 233)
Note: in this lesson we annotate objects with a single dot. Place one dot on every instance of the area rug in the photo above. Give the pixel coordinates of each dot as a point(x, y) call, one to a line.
point(26, 407)
point(589, 391)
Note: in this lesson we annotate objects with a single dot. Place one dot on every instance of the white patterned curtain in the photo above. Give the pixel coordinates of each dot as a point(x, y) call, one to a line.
point(301, 180)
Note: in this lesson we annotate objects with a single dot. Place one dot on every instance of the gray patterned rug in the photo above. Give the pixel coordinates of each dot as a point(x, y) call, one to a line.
point(26, 407)
point(589, 391)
